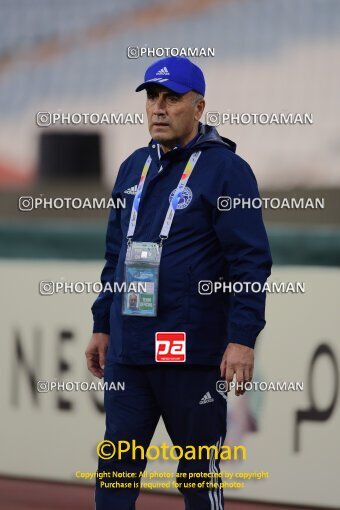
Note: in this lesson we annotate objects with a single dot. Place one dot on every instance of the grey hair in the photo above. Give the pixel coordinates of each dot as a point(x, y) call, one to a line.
point(197, 97)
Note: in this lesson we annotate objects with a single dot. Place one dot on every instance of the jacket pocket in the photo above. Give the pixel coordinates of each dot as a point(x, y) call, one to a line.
point(187, 293)
point(201, 305)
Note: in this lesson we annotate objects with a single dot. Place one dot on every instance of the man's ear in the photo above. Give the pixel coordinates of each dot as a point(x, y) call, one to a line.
point(200, 105)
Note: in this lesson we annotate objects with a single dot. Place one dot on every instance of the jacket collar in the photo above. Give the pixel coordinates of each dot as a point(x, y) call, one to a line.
point(207, 136)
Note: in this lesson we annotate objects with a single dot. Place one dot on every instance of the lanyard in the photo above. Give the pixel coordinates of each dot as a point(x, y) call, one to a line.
point(174, 202)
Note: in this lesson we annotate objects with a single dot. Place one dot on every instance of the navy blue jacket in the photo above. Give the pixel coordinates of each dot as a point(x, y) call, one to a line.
point(204, 244)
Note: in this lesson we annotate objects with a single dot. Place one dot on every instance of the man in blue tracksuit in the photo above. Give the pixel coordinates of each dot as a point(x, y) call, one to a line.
point(172, 189)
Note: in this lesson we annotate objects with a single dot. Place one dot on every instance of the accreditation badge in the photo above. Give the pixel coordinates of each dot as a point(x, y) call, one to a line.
point(141, 279)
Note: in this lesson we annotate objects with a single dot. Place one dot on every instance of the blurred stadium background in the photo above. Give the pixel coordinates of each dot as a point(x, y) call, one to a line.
point(71, 56)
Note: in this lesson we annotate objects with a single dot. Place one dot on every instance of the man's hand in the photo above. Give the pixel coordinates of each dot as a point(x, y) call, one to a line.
point(96, 353)
point(237, 359)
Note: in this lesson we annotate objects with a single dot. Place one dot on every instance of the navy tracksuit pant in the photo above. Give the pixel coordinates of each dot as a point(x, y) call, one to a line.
point(193, 412)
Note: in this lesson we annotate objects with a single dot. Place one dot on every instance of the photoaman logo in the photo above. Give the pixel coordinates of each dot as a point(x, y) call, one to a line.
point(170, 346)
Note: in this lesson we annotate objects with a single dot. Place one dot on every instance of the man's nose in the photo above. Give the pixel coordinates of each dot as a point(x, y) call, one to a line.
point(159, 106)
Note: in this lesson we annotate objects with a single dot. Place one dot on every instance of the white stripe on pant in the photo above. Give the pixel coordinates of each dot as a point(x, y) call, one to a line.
point(215, 495)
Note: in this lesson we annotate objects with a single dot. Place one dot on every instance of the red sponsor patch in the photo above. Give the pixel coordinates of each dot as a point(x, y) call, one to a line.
point(170, 346)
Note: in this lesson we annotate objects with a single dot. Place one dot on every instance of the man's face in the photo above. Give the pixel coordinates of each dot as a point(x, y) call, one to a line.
point(172, 117)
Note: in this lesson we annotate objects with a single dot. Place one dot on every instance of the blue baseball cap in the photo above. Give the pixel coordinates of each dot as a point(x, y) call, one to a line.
point(178, 74)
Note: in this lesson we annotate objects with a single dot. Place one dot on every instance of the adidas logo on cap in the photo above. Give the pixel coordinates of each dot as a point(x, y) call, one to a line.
point(206, 399)
point(163, 71)
point(132, 190)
